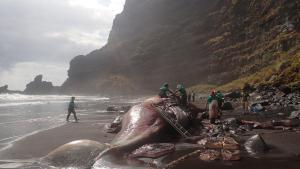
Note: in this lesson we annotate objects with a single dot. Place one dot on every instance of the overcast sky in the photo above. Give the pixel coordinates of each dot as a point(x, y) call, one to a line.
point(42, 36)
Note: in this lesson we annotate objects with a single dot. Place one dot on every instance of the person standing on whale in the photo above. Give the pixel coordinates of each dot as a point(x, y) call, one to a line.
point(71, 109)
point(182, 96)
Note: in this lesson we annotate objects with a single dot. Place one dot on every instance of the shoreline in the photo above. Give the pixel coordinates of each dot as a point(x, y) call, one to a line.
point(39, 143)
point(19, 138)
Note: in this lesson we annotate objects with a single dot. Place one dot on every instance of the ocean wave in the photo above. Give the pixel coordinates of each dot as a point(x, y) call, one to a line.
point(20, 99)
point(10, 104)
point(42, 119)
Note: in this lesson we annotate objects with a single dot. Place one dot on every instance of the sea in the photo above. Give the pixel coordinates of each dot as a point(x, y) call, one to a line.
point(24, 115)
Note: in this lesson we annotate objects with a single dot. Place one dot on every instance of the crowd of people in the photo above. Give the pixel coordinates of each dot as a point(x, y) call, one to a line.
point(183, 98)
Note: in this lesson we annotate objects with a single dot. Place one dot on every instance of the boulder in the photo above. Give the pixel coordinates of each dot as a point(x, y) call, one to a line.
point(295, 115)
point(37, 86)
point(125, 109)
point(285, 89)
point(232, 122)
point(247, 87)
point(112, 108)
point(4, 89)
point(38, 78)
point(227, 106)
point(256, 145)
point(259, 97)
point(256, 107)
point(233, 95)
point(265, 103)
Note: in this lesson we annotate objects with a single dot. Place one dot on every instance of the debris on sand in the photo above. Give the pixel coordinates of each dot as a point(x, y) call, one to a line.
point(220, 148)
point(210, 155)
point(227, 143)
point(115, 126)
point(231, 155)
point(153, 150)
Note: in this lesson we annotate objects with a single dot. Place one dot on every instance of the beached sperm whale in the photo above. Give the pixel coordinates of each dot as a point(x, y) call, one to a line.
point(143, 124)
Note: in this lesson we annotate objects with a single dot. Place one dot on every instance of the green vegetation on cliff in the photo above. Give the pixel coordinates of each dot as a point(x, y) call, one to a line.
point(281, 72)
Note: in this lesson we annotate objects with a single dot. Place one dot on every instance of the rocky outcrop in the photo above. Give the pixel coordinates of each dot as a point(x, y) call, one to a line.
point(190, 42)
point(38, 86)
point(4, 89)
point(272, 98)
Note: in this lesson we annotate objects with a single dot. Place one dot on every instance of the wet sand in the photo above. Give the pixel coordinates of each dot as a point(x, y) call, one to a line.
point(263, 163)
point(38, 145)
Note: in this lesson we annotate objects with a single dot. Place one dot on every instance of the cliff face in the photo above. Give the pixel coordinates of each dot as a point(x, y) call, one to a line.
point(190, 42)
point(4, 89)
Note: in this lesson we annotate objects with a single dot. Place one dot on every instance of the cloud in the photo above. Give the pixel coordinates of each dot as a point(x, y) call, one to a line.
point(22, 73)
point(52, 31)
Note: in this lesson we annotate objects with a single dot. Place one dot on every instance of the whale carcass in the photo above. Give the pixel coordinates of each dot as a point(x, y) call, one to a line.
point(143, 124)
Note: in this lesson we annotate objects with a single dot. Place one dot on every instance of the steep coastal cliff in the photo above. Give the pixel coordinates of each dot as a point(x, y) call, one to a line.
point(191, 42)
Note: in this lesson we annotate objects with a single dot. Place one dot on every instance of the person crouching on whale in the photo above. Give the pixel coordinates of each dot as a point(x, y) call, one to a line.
point(71, 109)
point(164, 91)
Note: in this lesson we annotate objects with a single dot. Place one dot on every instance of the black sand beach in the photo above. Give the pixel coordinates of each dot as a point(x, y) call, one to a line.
point(284, 146)
point(38, 145)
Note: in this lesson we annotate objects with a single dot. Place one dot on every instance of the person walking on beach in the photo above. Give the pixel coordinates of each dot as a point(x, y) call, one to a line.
point(71, 109)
